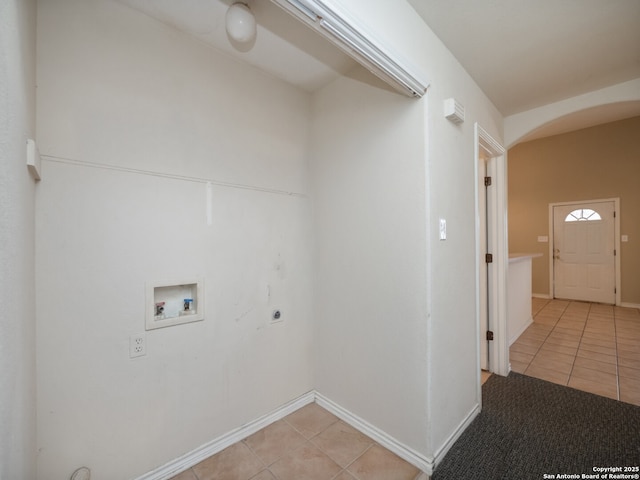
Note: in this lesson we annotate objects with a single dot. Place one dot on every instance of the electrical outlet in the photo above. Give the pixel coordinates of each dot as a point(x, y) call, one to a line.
point(137, 345)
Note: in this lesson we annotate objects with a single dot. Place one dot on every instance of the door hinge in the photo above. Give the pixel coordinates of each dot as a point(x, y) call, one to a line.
point(488, 258)
point(614, 252)
point(489, 335)
point(614, 214)
point(487, 181)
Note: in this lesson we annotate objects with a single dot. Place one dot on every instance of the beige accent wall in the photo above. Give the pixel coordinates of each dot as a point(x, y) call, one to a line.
point(593, 163)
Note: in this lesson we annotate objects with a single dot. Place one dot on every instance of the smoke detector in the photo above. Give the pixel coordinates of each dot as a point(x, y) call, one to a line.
point(453, 111)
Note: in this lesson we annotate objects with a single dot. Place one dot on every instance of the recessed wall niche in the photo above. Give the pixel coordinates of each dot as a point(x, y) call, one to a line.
point(174, 303)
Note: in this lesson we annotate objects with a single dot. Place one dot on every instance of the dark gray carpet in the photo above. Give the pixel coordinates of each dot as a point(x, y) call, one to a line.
point(529, 428)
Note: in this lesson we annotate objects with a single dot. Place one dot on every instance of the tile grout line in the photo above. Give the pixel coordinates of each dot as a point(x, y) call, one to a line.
point(356, 459)
point(549, 334)
point(545, 338)
point(309, 440)
point(342, 469)
point(579, 343)
point(264, 464)
point(612, 319)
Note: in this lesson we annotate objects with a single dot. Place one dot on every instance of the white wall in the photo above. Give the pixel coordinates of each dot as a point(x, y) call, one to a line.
point(453, 343)
point(394, 334)
point(133, 118)
point(17, 269)
point(396, 308)
point(369, 207)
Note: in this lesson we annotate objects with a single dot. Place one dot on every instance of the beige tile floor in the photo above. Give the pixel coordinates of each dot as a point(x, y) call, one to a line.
point(587, 346)
point(309, 444)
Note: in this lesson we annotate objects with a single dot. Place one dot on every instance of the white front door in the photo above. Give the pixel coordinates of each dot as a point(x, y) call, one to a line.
point(584, 251)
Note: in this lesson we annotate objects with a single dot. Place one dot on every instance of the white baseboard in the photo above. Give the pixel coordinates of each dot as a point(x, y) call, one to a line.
point(203, 452)
point(425, 464)
point(418, 460)
point(622, 304)
point(462, 426)
point(541, 295)
point(520, 331)
point(630, 305)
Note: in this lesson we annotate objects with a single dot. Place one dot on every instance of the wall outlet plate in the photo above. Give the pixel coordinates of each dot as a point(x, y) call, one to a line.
point(137, 345)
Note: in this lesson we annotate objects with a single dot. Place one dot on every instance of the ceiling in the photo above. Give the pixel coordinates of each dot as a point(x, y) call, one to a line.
point(528, 53)
point(522, 53)
point(284, 46)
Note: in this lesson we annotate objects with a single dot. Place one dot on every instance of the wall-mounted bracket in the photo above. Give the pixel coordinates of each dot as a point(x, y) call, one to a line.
point(33, 159)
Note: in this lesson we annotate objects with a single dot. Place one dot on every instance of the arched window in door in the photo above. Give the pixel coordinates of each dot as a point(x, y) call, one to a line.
point(583, 215)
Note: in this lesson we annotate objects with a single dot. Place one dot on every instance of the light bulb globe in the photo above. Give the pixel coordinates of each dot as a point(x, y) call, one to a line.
point(240, 23)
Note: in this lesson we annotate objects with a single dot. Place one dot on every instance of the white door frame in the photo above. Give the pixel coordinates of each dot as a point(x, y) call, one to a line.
point(616, 231)
point(498, 246)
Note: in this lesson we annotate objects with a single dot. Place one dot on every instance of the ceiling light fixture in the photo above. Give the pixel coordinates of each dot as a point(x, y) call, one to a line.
point(241, 23)
point(354, 39)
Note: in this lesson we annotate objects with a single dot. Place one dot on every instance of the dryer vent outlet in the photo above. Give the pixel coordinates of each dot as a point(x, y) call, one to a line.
point(83, 473)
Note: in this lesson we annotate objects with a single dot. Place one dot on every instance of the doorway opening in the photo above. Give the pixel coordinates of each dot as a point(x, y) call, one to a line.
point(491, 254)
point(584, 251)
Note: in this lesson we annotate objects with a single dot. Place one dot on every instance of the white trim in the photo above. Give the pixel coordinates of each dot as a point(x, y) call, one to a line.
point(425, 464)
point(343, 30)
point(616, 233)
point(501, 260)
point(203, 452)
point(550, 253)
point(520, 331)
point(426, 267)
point(499, 247)
point(542, 295)
point(629, 305)
point(480, 200)
point(444, 449)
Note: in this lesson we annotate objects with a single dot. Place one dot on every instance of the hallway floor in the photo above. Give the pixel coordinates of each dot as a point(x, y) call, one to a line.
point(309, 444)
point(587, 346)
point(590, 347)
